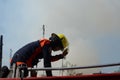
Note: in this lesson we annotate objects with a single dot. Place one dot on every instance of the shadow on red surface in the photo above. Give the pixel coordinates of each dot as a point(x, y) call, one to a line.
point(110, 76)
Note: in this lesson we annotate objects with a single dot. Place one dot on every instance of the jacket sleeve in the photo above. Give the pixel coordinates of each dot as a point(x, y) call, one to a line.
point(47, 57)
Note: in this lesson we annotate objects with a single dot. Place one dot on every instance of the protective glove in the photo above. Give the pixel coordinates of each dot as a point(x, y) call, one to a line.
point(65, 52)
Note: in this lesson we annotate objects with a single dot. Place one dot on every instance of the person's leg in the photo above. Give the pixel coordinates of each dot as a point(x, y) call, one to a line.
point(22, 71)
point(33, 74)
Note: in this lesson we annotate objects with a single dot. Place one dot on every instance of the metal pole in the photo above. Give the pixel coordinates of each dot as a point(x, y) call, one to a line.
point(62, 67)
point(1, 44)
point(84, 67)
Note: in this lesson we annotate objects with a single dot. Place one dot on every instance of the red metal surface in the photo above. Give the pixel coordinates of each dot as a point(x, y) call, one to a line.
point(111, 76)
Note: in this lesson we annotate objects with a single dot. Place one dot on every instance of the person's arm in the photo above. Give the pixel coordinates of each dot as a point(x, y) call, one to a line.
point(60, 56)
point(56, 57)
point(35, 62)
point(47, 57)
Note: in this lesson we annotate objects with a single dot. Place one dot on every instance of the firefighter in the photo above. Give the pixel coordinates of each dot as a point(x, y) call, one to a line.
point(29, 55)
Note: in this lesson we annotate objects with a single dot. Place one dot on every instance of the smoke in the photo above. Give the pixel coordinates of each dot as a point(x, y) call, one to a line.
point(82, 21)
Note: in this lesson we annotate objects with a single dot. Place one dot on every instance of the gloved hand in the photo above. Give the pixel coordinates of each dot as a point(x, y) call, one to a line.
point(65, 52)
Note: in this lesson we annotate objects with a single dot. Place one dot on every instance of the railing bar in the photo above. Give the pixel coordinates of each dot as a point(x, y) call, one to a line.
point(68, 68)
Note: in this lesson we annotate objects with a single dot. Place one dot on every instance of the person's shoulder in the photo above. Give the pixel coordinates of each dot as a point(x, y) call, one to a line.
point(44, 41)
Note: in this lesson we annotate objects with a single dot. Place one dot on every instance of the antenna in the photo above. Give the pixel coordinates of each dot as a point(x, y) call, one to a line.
point(43, 30)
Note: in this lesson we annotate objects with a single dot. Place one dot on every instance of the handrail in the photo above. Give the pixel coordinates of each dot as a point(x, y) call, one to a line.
point(68, 68)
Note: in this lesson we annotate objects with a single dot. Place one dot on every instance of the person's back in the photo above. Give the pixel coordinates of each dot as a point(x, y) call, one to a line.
point(25, 53)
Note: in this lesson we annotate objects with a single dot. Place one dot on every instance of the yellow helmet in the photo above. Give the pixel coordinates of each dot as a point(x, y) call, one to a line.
point(63, 40)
